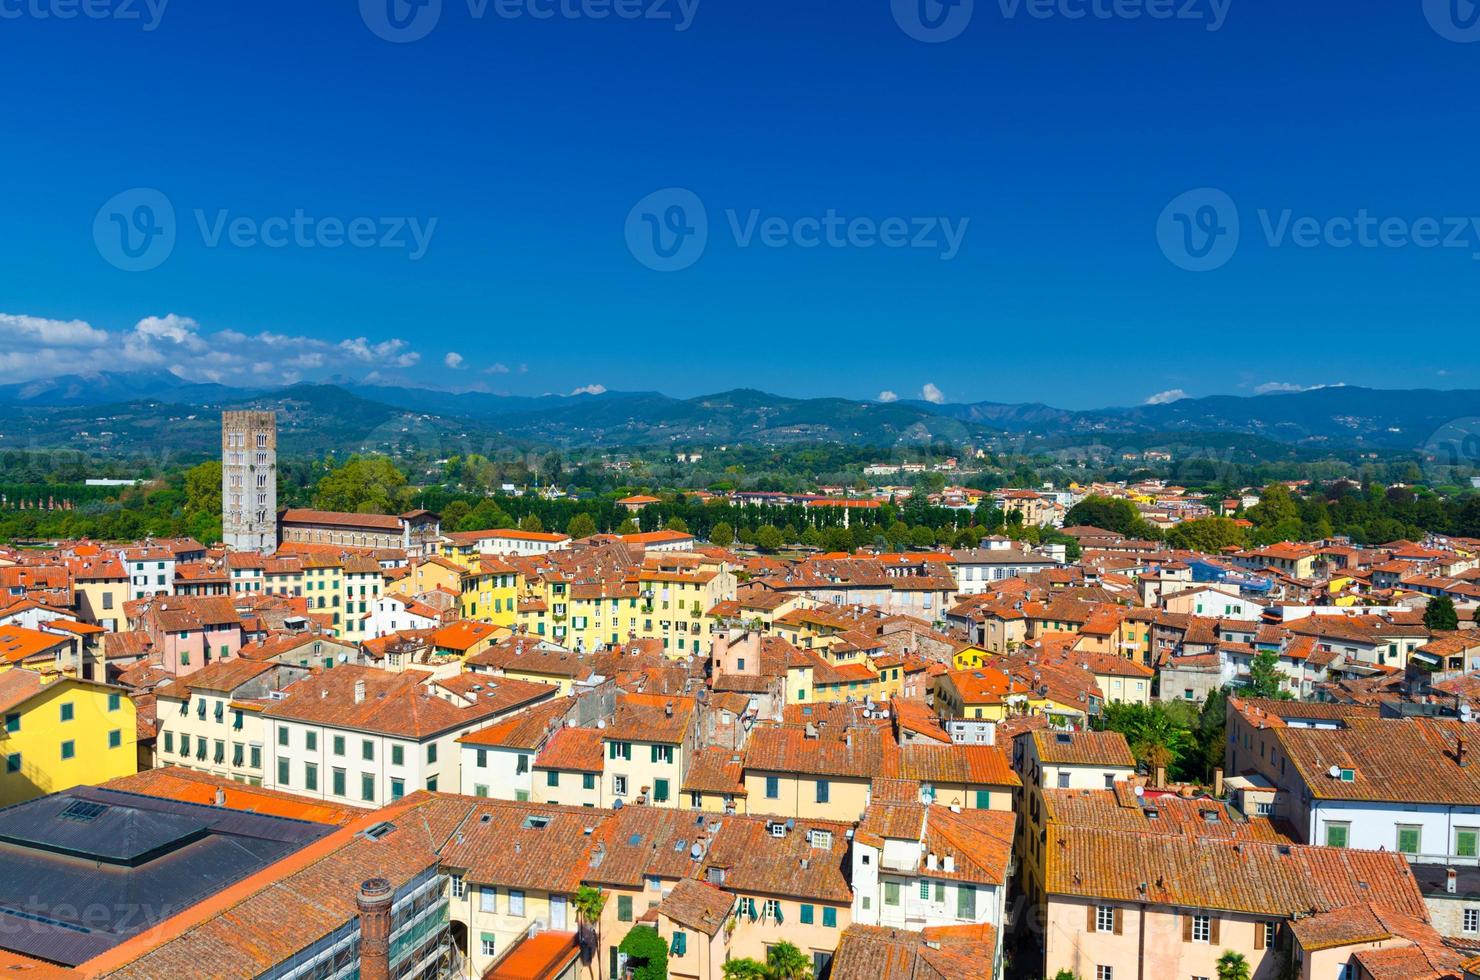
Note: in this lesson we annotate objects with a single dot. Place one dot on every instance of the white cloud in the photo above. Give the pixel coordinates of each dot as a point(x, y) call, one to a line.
point(51, 333)
point(1167, 397)
point(496, 369)
point(35, 347)
point(453, 360)
point(1283, 387)
point(932, 394)
point(590, 390)
point(392, 353)
point(888, 396)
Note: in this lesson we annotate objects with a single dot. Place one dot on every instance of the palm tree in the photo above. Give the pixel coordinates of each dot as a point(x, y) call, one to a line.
point(785, 962)
point(1159, 740)
point(588, 903)
point(1233, 966)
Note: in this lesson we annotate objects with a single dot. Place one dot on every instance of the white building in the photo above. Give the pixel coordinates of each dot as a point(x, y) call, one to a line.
point(367, 737)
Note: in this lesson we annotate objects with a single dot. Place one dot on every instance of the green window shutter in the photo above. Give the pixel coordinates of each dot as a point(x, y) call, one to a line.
point(1408, 838)
point(965, 902)
point(624, 908)
point(829, 917)
point(1335, 836)
point(1465, 843)
point(552, 778)
point(806, 915)
point(891, 893)
point(983, 799)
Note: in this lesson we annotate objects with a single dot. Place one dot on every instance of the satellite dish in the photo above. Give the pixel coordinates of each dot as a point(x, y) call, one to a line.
point(1334, 772)
point(1140, 791)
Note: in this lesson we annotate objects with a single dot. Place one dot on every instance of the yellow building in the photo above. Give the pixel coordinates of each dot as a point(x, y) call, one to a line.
point(985, 693)
point(62, 732)
point(970, 656)
point(490, 592)
point(427, 575)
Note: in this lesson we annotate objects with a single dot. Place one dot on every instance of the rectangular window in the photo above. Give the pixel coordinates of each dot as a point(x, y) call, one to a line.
point(1472, 920)
point(1104, 919)
point(1202, 929)
point(983, 799)
point(1465, 840)
point(1409, 838)
point(891, 893)
point(965, 902)
point(169, 741)
point(829, 917)
point(487, 943)
point(310, 776)
point(339, 745)
point(806, 915)
point(367, 787)
point(522, 765)
point(398, 789)
point(283, 767)
point(773, 787)
point(431, 753)
point(1336, 834)
point(311, 741)
point(338, 782)
point(1104, 973)
point(660, 791)
point(822, 790)
point(67, 712)
point(588, 780)
point(619, 785)
point(516, 902)
point(115, 738)
point(624, 908)
point(282, 736)
point(552, 778)
point(13, 721)
point(367, 750)
point(487, 899)
point(113, 702)
point(69, 749)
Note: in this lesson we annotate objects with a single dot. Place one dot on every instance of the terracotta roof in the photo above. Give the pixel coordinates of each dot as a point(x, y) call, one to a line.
point(1236, 876)
point(1083, 749)
point(529, 729)
point(190, 786)
point(715, 769)
point(698, 906)
point(880, 953)
point(572, 750)
point(403, 704)
point(377, 522)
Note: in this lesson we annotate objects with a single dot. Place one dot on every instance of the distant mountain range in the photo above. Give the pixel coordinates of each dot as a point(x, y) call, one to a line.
point(122, 412)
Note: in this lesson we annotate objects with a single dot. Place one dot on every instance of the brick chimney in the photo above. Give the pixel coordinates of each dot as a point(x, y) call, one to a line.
point(374, 902)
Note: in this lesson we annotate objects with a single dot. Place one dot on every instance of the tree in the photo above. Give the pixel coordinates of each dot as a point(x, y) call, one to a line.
point(647, 953)
point(785, 962)
point(1209, 535)
point(676, 523)
point(768, 537)
point(1265, 678)
point(1276, 507)
point(581, 526)
point(588, 903)
point(722, 534)
point(1233, 966)
point(1066, 975)
point(532, 522)
point(1440, 614)
point(629, 526)
point(1109, 514)
point(364, 485)
point(1156, 737)
point(745, 969)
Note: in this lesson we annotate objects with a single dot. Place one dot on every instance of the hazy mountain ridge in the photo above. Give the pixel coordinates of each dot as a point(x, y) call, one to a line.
point(119, 412)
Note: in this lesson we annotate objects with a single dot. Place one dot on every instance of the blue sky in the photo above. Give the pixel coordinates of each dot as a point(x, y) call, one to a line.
point(493, 171)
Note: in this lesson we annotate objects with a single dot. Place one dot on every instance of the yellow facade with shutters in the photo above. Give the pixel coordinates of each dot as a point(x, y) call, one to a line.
point(68, 733)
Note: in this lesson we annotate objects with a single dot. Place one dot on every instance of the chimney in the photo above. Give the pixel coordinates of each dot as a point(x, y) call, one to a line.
point(220, 796)
point(374, 902)
point(1161, 776)
point(1218, 783)
point(948, 865)
point(360, 691)
point(1451, 880)
point(1460, 755)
